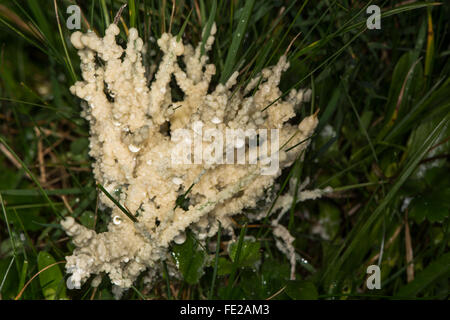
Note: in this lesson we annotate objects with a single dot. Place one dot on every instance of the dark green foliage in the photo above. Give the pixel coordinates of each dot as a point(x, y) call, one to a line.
point(301, 290)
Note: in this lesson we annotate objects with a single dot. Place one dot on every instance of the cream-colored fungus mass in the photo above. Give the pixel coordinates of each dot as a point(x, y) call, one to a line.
point(132, 115)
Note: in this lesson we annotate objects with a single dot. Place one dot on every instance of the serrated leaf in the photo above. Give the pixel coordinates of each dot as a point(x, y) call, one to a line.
point(224, 267)
point(52, 282)
point(249, 253)
point(88, 219)
point(433, 206)
point(238, 35)
point(274, 275)
point(189, 259)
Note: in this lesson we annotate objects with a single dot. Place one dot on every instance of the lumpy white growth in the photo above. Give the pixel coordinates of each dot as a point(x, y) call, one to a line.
point(130, 140)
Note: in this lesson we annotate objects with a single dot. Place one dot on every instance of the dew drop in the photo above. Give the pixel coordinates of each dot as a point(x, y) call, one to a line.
point(180, 239)
point(133, 148)
point(117, 220)
point(69, 283)
point(239, 143)
point(177, 181)
point(216, 120)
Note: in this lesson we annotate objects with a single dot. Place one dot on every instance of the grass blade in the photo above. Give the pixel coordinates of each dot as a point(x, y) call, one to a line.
point(216, 262)
point(207, 31)
point(238, 35)
point(127, 213)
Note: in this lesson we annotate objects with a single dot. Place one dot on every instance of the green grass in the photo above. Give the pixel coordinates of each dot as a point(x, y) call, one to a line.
point(383, 98)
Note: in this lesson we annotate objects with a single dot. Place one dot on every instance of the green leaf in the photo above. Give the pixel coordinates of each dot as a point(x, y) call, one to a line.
point(435, 270)
point(23, 274)
point(8, 278)
point(407, 76)
point(190, 259)
point(274, 274)
point(79, 146)
point(301, 290)
point(132, 11)
point(88, 219)
point(434, 103)
point(52, 281)
point(105, 12)
point(207, 32)
point(249, 253)
point(238, 35)
point(329, 109)
point(36, 192)
point(433, 206)
point(225, 266)
point(180, 34)
point(105, 294)
point(251, 285)
point(430, 55)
